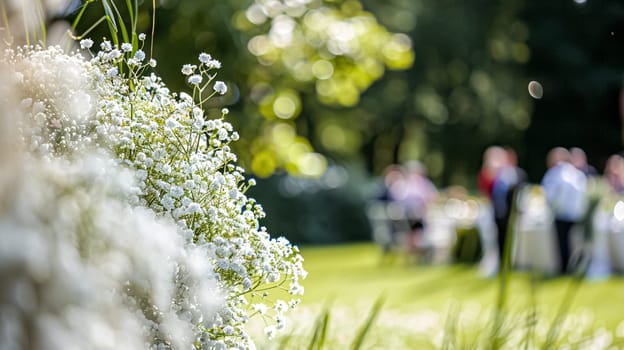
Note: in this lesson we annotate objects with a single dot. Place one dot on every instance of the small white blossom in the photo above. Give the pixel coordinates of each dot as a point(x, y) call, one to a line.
point(86, 43)
point(247, 284)
point(126, 47)
point(228, 330)
point(213, 64)
point(281, 306)
point(270, 331)
point(204, 57)
point(220, 87)
point(195, 79)
point(260, 308)
point(142, 36)
point(194, 208)
point(139, 55)
point(188, 69)
point(106, 46)
point(114, 54)
point(112, 72)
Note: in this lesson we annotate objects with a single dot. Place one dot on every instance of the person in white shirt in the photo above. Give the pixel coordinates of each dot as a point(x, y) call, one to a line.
point(565, 189)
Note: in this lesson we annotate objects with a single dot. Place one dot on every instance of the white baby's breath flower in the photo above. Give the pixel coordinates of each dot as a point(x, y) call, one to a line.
point(186, 173)
point(220, 87)
point(142, 36)
point(228, 330)
point(139, 55)
point(260, 308)
point(195, 79)
point(86, 43)
point(270, 331)
point(188, 69)
point(126, 47)
point(114, 54)
point(204, 57)
point(247, 284)
point(106, 45)
point(195, 208)
point(215, 64)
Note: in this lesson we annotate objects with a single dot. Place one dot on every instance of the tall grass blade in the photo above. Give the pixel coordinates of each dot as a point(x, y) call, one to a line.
point(504, 273)
point(285, 342)
point(555, 327)
point(86, 32)
point(131, 11)
point(42, 24)
point(450, 328)
point(5, 19)
point(580, 270)
point(83, 8)
point(531, 318)
point(323, 334)
point(112, 29)
point(108, 11)
point(25, 23)
point(359, 338)
point(320, 329)
point(122, 25)
point(153, 28)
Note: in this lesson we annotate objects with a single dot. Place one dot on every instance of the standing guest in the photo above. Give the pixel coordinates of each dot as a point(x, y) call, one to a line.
point(578, 158)
point(565, 189)
point(419, 194)
point(393, 183)
point(494, 158)
point(614, 173)
point(507, 181)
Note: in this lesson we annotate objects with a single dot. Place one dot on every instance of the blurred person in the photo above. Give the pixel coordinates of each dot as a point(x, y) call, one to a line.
point(565, 189)
point(508, 180)
point(407, 194)
point(494, 158)
point(384, 214)
point(418, 194)
point(614, 173)
point(578, 158)
point(393, 182)
point(604, 221)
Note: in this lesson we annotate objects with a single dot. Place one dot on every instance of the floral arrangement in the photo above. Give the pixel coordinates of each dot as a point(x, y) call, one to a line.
point(124, 218)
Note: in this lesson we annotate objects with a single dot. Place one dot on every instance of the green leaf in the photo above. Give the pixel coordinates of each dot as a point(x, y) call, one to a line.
point(135, 41)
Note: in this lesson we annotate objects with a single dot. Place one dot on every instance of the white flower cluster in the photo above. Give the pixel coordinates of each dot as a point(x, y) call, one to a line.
point(73, 275)
point(56, 98)
point(183, 171)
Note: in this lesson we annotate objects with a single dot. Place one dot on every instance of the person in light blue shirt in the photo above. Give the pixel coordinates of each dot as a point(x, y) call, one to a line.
point(565, 189)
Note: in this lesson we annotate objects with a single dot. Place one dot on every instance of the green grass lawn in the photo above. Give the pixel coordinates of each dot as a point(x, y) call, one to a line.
point(426, 305)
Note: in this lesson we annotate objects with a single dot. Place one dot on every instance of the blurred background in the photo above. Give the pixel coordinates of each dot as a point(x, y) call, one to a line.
point(327, 94)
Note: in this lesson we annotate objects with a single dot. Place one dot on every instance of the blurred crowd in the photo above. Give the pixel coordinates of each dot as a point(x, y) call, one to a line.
point(571, 222)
